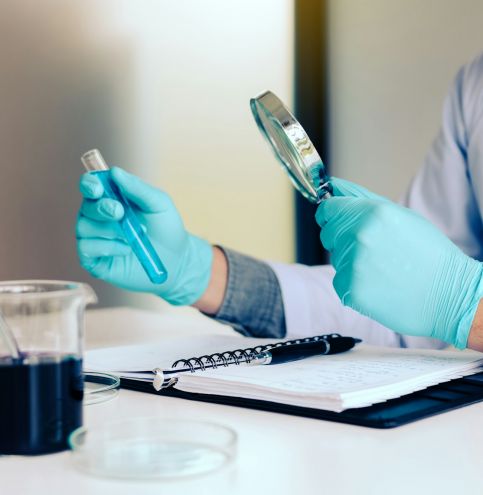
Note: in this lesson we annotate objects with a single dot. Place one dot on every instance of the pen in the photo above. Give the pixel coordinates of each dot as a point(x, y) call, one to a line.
point(279, 355)
point(274, 355)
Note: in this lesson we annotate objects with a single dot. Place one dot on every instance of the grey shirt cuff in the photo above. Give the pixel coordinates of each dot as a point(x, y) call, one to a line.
point(253, 303)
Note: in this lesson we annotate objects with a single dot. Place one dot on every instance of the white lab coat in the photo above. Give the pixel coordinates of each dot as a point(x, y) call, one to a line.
point(448, 191)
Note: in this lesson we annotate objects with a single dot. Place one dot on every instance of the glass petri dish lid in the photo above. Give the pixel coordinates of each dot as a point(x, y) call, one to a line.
point(153, 448)
point(100, 387)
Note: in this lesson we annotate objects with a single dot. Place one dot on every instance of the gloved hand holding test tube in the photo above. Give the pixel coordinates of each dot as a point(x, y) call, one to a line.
point(126, 226)
point(135, 236)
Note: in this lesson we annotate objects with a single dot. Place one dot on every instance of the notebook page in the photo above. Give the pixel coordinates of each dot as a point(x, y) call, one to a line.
point(362, 368)
point(138, 358)
point(364, 375)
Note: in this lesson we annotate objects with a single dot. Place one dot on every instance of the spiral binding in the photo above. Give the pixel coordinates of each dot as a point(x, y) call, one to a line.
point(242, 355)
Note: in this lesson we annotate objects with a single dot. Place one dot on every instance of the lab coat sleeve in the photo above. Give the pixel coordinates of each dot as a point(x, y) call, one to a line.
point(448, 188)
point(312, 308)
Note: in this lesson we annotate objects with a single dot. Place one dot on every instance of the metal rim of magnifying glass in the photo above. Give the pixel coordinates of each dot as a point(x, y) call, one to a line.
point(311, 180)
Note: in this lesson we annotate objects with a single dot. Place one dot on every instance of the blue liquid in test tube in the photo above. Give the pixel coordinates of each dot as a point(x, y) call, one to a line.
point(131, 227)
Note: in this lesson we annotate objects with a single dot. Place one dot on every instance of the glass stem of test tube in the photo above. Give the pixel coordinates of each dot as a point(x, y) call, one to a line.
point(135, 236)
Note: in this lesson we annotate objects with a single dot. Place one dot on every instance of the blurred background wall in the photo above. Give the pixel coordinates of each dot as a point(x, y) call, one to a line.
point(391, 64)
point(162, 88)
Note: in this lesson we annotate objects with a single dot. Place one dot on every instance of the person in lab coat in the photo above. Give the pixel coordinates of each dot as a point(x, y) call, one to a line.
point(402, 277)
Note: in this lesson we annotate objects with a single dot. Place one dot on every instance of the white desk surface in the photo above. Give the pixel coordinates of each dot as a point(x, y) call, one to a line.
point(277, 454)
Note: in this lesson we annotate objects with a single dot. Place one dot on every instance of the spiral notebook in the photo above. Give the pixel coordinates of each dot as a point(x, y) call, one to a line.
point(364, 376)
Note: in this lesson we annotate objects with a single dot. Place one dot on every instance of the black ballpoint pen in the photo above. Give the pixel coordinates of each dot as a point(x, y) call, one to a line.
point(285, 354)
point(274, 355)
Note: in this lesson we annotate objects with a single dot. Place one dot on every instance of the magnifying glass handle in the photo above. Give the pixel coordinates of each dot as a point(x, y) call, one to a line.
point(324, 191)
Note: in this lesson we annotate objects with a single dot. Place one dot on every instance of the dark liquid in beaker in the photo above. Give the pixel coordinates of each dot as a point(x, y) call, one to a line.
point(41, 404)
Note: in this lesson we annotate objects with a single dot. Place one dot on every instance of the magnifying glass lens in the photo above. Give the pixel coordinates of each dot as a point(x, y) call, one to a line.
point(292, 147)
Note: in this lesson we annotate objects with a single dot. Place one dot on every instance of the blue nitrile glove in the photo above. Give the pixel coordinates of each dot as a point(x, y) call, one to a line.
point(397, 268)
point(104, 253)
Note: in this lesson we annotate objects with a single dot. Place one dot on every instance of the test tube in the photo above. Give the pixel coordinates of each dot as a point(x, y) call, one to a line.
point(135, 235)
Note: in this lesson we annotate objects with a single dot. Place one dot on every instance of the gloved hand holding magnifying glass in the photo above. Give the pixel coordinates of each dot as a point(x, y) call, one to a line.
point(397, 268)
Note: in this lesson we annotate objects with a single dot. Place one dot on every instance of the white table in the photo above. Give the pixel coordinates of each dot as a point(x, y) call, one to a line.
point(278, 454)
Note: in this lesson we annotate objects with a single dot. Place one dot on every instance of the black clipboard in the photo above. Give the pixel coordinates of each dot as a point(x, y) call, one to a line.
point(390, 414)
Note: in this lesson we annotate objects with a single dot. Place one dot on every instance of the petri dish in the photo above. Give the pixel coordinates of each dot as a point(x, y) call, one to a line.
point(153, 448)
point(100, 387)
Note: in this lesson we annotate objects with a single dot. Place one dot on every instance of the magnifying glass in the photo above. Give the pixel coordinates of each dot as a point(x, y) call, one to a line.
point(292, 147)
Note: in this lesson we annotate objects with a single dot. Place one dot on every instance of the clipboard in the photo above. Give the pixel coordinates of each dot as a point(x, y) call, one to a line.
point(425, 403)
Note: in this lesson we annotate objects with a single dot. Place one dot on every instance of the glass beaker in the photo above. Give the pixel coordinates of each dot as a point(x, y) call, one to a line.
point(42, 389)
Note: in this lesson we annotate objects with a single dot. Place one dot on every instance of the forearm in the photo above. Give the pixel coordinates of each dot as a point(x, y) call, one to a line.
point(244, 293)
point(212, 299)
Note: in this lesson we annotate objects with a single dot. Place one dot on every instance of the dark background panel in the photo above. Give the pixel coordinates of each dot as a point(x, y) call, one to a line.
point(311, 111)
